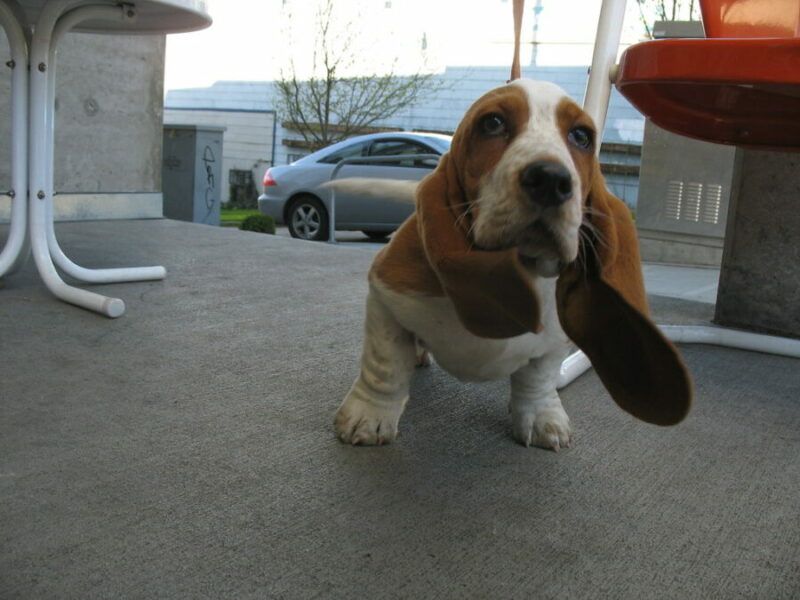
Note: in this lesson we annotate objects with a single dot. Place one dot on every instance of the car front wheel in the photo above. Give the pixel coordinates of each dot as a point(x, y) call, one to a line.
point(307, 219)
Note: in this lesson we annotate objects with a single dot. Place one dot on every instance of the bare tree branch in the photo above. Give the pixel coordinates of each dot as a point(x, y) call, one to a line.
point(665, 10)
point(329, 106)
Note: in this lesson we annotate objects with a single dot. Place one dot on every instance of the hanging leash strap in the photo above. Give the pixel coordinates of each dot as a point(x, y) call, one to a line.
point(519, 7)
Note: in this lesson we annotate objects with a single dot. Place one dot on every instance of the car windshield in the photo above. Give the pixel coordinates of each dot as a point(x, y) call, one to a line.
point(387, 146)
point(442, 144)
point(351, 151)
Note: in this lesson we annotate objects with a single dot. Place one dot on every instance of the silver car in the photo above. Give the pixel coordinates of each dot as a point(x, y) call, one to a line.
point(292, 195)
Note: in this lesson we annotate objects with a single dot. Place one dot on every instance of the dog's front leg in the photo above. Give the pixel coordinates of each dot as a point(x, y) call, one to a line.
point(371, 410)
point(537, 416)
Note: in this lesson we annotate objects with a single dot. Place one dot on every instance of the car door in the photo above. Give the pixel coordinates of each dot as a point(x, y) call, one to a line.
point(375, 213)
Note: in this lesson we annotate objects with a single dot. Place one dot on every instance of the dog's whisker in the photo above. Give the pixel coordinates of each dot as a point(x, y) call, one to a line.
point(460, 221)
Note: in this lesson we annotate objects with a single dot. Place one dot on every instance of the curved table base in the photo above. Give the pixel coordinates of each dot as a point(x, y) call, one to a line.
point(33, 108)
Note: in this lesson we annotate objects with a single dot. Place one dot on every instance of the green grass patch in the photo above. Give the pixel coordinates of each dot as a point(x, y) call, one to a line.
point(233, 217)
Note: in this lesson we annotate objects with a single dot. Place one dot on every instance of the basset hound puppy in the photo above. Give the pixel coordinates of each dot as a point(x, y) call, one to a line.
point(516, 247)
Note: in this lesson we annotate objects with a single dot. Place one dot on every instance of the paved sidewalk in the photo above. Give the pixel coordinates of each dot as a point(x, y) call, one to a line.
point(687, 283)
point(186, 450)
point(673, 281)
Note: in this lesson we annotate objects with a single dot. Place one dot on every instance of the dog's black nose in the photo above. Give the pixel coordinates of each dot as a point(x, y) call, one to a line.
point(546, 182)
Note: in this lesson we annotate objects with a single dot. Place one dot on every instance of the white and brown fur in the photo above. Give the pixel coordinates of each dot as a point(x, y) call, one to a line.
point(503, 133)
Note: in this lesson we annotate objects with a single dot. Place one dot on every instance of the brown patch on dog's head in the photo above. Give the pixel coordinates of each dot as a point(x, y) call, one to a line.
point(484, 286)
point(574, 121)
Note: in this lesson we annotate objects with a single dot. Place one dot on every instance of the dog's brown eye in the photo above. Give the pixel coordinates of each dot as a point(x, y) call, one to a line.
point(493, 124)
point(582, 137)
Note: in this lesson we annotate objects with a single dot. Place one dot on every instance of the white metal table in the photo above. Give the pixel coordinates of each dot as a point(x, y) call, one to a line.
point(34, 29)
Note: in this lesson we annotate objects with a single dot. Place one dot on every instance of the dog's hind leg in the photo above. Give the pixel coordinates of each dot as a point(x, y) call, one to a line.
point(371, 410)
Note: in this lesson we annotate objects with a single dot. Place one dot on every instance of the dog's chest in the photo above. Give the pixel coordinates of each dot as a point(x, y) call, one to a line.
point(464, 355)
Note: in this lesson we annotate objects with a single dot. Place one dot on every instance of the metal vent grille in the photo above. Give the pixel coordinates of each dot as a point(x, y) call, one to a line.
point(694, 196)
point(672, 205)
point(693, 201)
point(711, 204)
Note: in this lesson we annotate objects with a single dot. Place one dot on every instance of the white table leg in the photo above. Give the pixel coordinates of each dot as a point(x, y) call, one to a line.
point(53, 21)
point(66, 23)
point(17, 248)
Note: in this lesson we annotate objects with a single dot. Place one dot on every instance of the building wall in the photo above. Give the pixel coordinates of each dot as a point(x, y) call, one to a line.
point(109, 99)
point(442, 111)
point(248, 141)
point(683, 207)
point(461, 86)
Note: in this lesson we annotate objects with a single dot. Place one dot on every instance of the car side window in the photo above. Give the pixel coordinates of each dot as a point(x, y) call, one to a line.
point(352, 151)
point(399, 148)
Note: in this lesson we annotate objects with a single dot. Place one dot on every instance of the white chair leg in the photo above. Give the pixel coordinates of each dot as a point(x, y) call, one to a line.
point(578, 363)
point(604, 60)
point(732, 338)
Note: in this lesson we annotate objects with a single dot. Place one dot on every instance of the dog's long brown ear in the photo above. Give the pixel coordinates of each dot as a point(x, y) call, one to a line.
point(603, 308)
point(491, 292)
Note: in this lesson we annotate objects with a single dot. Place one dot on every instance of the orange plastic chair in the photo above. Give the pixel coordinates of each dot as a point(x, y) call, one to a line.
point(740, 85)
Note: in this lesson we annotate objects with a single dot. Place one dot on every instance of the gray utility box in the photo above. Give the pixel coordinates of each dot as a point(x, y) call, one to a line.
point(684, 188)
point(192, 173)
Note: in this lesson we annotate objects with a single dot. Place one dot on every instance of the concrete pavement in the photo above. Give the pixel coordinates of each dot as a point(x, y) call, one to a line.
point(186, 450)
point(698, 284)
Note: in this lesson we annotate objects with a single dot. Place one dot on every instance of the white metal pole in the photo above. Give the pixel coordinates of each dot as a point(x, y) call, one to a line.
point(17, 247)
point(332, 219)
point(604, 59)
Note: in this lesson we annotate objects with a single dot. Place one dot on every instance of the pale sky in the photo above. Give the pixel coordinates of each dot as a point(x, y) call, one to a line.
point(251, 40)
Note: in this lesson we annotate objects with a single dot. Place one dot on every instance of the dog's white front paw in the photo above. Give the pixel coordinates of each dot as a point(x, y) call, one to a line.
point(362, 422)
point(545, 427)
